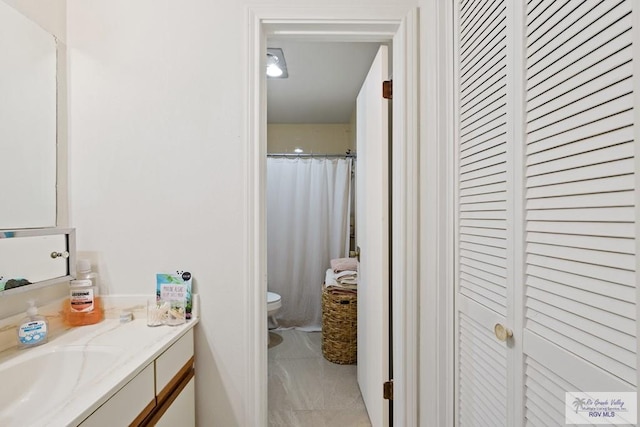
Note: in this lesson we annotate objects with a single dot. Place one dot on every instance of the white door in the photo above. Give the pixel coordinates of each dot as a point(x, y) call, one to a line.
point(546, 207)
point(484, 256)
point(372, 234)
point(580, 291)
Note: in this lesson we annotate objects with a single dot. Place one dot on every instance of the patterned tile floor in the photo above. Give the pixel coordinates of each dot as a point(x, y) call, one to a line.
point(306, 390)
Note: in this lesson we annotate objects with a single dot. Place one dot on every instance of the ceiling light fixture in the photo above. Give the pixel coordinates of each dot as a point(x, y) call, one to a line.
point(276, 65)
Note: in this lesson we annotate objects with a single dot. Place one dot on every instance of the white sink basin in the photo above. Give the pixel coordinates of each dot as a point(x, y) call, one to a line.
point(43, 379)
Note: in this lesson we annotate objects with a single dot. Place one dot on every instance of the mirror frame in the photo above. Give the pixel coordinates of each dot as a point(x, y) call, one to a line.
point(70, 234)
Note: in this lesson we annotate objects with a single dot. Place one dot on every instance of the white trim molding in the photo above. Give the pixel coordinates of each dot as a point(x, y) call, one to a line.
point(255, 219)
point(437, 198)
point(405, 209)
point(382, 24)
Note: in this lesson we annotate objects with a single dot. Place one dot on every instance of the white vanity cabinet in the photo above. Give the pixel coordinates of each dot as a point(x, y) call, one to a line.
point(174, 386)
point(182, 411)
point(126, 405)
point(163, 393)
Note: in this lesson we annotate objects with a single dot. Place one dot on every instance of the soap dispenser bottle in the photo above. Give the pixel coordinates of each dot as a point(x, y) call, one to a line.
point(33, 329)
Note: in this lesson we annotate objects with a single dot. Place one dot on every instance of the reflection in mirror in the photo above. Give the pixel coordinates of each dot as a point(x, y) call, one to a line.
point(31, 259)
point(27, 122)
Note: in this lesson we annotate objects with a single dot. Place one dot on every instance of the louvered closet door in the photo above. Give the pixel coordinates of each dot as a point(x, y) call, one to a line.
point(483, 252)
point(546, 206)
point(580, 297)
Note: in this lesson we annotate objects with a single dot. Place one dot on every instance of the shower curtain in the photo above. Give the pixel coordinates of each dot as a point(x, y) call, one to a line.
point(307, 225)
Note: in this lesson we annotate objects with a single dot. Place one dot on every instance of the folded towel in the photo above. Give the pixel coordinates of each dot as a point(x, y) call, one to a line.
point(342, 289)
point(330, 278)
point(331, 282)
point(345, 273)
point(347, 277)
point(342, 264)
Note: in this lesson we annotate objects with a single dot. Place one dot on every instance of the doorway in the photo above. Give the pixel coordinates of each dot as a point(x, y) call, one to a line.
point(311, 168)
point(395, 25)
point(307, 226)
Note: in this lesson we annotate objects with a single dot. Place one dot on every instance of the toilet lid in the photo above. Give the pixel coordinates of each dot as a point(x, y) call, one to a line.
point(272, 297)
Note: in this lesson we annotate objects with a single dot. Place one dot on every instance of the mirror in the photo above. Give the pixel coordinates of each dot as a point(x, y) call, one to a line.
point(28, 122)
point(30, 259)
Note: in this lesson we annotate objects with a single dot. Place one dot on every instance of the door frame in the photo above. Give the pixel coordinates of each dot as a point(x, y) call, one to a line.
point(437, 201)
point(398, 25)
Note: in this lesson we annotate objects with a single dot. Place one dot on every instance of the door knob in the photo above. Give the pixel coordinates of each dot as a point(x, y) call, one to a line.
point(501, 332)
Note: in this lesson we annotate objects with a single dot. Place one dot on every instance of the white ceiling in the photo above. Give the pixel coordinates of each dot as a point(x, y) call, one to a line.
point(324, 80)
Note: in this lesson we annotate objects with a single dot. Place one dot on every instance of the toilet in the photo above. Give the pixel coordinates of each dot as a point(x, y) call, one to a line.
point(273, 305)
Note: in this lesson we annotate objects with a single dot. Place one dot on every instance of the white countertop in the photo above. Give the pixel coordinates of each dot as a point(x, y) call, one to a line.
point(136, 346)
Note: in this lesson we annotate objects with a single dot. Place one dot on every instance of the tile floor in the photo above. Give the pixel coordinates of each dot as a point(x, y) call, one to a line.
point(306, 390)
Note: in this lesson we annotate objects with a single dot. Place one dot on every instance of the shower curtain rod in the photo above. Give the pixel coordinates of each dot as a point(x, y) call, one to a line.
point(328, 156)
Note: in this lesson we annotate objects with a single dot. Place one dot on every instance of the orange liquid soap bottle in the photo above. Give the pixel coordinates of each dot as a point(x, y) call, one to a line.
point(84, 306)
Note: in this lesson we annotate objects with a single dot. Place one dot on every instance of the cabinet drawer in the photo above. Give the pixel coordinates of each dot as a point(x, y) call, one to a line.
point(136, 397)
point(182, 411)
point(169, 363)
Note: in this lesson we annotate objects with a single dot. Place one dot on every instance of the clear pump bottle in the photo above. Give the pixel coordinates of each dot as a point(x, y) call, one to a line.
point(34, 329)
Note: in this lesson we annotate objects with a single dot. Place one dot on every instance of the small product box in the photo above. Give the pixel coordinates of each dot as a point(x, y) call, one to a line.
point(175, 287)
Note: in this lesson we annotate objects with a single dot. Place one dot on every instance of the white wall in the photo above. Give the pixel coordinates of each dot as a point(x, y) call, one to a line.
point(157, 163)
point(50, 14)
point(335, 138)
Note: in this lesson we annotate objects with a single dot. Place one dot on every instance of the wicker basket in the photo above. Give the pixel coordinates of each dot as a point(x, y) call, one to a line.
point(339, 325)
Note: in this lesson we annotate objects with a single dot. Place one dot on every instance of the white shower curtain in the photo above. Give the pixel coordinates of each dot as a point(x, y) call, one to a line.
point(307, 225)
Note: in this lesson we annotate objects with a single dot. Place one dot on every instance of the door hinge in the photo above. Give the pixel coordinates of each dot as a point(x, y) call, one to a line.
point(387, 390)
point(387, 89)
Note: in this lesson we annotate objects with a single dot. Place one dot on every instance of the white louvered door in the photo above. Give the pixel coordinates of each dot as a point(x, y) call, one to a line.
point(580, 296)
point(483, 266)
point(546, 206)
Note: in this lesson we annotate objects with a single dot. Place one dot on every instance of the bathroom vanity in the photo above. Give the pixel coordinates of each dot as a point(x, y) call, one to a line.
point(161, 394)
point(107, 374)
point(110, 373)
